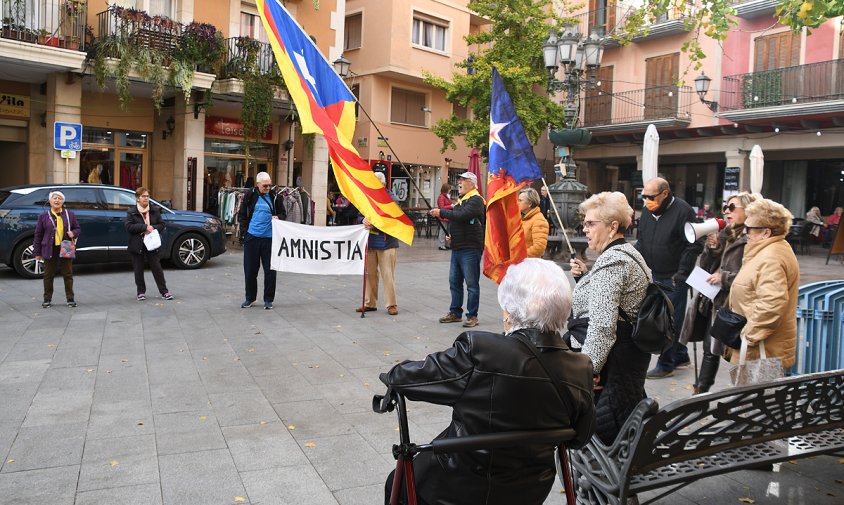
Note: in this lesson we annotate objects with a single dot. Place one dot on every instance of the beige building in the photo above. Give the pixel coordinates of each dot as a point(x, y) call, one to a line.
point(391, 45)
point(186, 152)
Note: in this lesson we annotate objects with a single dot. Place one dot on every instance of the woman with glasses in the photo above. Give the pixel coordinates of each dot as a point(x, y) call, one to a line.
point(141, 220)
point(722, 256)
point(604, 299)
point(765, 289)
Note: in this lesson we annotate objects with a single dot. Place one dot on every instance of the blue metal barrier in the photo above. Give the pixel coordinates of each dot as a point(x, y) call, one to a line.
point(820, 327)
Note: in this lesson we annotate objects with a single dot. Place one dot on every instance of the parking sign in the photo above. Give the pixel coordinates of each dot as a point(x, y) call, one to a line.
point(67, 136)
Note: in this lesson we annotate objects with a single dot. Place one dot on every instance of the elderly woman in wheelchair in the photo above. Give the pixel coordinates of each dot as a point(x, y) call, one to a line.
point(522, 380)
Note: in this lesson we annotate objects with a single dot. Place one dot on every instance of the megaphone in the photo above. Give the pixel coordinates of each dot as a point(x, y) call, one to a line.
point(694, 231)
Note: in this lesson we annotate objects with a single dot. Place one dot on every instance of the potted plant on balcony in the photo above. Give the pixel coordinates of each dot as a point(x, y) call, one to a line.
point(74, 25)
point(201, 47)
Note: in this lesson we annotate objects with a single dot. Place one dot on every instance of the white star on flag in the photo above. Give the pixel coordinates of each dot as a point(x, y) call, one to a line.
point(305, 71)
point(494, 130)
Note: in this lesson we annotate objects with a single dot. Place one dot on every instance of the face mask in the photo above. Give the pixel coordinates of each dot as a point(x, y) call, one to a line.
point(652, 205)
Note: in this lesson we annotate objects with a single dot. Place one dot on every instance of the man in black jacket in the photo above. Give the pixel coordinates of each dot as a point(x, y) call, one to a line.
point(467, 248)
point(257, 211)
point(671, 258)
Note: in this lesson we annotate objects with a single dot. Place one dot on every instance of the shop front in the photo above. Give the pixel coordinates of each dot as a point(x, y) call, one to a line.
point(115, 157)
point(231, 163)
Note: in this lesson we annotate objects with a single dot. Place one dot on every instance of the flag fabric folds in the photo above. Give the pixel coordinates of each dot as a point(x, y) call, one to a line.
point(511, 165)
point(326, 106)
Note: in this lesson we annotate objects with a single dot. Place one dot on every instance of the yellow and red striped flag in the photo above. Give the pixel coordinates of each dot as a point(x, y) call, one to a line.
point(326, 106)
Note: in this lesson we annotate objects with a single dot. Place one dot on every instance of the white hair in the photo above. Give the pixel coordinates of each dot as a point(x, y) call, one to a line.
point(53, 193)
point(536, 294)
point(380, 177)
point(262, 176)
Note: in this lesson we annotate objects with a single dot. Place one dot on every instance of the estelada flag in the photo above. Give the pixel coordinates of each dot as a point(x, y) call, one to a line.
point(326, 106)
point(512, 165)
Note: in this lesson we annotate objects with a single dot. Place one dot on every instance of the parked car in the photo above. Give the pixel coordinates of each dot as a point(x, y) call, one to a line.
point(189, 240)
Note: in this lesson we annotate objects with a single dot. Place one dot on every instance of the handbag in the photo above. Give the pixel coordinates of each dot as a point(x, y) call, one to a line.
point(653, 326)
point(67, 249)
point(152, 240)
point(727, 327)
point(757, 371)
point(696, 321)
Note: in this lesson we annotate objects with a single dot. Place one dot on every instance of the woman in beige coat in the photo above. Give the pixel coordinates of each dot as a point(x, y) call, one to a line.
point(765, 289)
point(534, 223)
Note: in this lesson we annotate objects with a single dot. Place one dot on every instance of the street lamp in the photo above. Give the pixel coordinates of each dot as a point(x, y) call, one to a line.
point(702, 87)
point(341, 66)
point(579, 57)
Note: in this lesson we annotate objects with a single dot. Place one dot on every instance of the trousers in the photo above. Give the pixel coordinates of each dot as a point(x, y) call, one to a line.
point(65, 266)
point(154, 265)
point(383, 261)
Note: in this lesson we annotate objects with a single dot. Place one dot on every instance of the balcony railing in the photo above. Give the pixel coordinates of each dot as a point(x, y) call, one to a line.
point(55, 24)
point(637, 106)
point(140, 29)
point(244, 54)
point(815, 82)
point(612, 17)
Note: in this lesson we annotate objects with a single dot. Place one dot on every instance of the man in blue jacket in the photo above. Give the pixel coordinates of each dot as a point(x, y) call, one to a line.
point(467, 248)
point(671, 258)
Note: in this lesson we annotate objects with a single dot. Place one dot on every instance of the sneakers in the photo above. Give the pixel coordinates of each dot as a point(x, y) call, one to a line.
point(246, 304)
point(451, 317)
point(46, 304)
point(659, 373)
point(364, 308)
point(71, 303)
point(392, 310)
point(441, 248)
point(471, 322)
point(268, 305)
point(141, 297)
point(167, 296)
point(684, 364)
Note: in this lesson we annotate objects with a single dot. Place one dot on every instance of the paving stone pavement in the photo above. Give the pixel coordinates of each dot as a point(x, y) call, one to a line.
point(196, 401)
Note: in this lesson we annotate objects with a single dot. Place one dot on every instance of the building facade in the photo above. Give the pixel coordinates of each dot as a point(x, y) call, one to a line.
point(186, 150)
point(391, 45)
point(769, 86)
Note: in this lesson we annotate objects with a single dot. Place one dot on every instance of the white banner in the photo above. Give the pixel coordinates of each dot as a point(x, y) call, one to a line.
point(322, 250)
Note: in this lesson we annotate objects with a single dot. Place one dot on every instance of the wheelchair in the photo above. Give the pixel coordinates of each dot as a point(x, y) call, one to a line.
point(405, 450)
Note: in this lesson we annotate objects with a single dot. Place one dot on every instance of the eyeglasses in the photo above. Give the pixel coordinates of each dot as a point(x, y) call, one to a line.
point(590, 224)
point(650, 197)
point(144, 196)
point(266, 185)
point(731, 207)
point(747, 229)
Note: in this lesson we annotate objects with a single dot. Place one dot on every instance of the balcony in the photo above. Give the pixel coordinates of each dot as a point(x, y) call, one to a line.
point(610, 20)
point(244, 56)
point(813, 89)
point(662, 106)
point(141, 30)
point(751, 9)
point(52, 24)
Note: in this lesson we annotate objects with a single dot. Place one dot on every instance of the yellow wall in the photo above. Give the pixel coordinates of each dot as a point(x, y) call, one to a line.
point(102, 110)
point(213, 12)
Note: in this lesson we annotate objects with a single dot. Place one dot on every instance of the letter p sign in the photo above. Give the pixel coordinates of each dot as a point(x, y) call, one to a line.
point(67, 136)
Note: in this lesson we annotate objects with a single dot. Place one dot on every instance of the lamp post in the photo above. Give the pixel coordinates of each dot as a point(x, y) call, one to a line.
point(702, 87)
point(579, 57)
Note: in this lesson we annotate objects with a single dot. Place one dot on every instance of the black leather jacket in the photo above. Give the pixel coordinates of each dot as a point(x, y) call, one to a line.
point(494, 383)
point(136, 226)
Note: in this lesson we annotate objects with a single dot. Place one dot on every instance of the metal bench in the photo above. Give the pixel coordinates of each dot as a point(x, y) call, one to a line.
point(712, 434)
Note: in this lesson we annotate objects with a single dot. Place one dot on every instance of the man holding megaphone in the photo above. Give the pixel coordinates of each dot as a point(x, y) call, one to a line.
point(662, 242)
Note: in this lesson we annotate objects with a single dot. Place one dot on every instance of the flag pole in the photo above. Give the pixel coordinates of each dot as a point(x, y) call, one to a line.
point(557, 213)
point(410, 177)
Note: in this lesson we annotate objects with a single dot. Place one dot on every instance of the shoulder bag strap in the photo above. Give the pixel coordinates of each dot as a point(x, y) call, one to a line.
point(564, 394)
point(620, 310)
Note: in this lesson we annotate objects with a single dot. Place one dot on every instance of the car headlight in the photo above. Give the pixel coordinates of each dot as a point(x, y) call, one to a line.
point(213, 224)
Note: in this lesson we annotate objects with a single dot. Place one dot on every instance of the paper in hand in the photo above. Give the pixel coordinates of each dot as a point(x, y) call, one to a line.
point(697, 280)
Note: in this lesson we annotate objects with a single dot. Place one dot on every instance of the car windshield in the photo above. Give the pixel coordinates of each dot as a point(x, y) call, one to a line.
point(4, 195)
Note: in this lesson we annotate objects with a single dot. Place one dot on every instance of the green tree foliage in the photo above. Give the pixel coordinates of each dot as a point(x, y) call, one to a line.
point(513, 45)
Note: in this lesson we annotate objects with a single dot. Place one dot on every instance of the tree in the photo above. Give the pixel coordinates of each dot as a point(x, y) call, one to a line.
point(514, 46)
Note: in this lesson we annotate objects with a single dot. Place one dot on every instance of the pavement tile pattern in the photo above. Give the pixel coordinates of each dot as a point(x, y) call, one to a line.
point(197, 401)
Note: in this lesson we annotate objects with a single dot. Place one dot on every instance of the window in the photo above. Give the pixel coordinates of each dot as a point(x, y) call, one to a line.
point(429, 32)
point(353, 30)
point(598, 101)
point(250, 26)
point(460, 111)
point(119, 200)
point(80, 198)
point(406, 107)
point(661, 92)
point(777, 51)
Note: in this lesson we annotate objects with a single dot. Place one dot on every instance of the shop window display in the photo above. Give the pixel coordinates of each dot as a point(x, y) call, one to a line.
point(112, 157)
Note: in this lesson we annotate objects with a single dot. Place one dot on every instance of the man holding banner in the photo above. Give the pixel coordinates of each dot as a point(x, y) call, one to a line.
point(381, 255)
point(257, 212)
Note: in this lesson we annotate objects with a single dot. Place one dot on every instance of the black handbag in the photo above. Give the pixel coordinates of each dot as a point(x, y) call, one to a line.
point(727, 327)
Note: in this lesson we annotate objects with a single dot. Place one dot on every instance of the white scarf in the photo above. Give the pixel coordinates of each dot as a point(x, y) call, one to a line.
point(144, 213)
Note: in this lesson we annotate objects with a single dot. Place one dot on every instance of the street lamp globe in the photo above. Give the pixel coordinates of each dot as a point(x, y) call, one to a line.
point(702, 84)
point(568, 46)
point(341, 66)
point(593, 51)
point(549, 53)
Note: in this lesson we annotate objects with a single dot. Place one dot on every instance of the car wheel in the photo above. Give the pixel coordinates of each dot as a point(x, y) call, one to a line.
point(190, 251)
point(23, 259)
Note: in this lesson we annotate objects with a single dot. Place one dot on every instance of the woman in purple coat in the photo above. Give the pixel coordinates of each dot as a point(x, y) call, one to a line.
point(53, 226)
